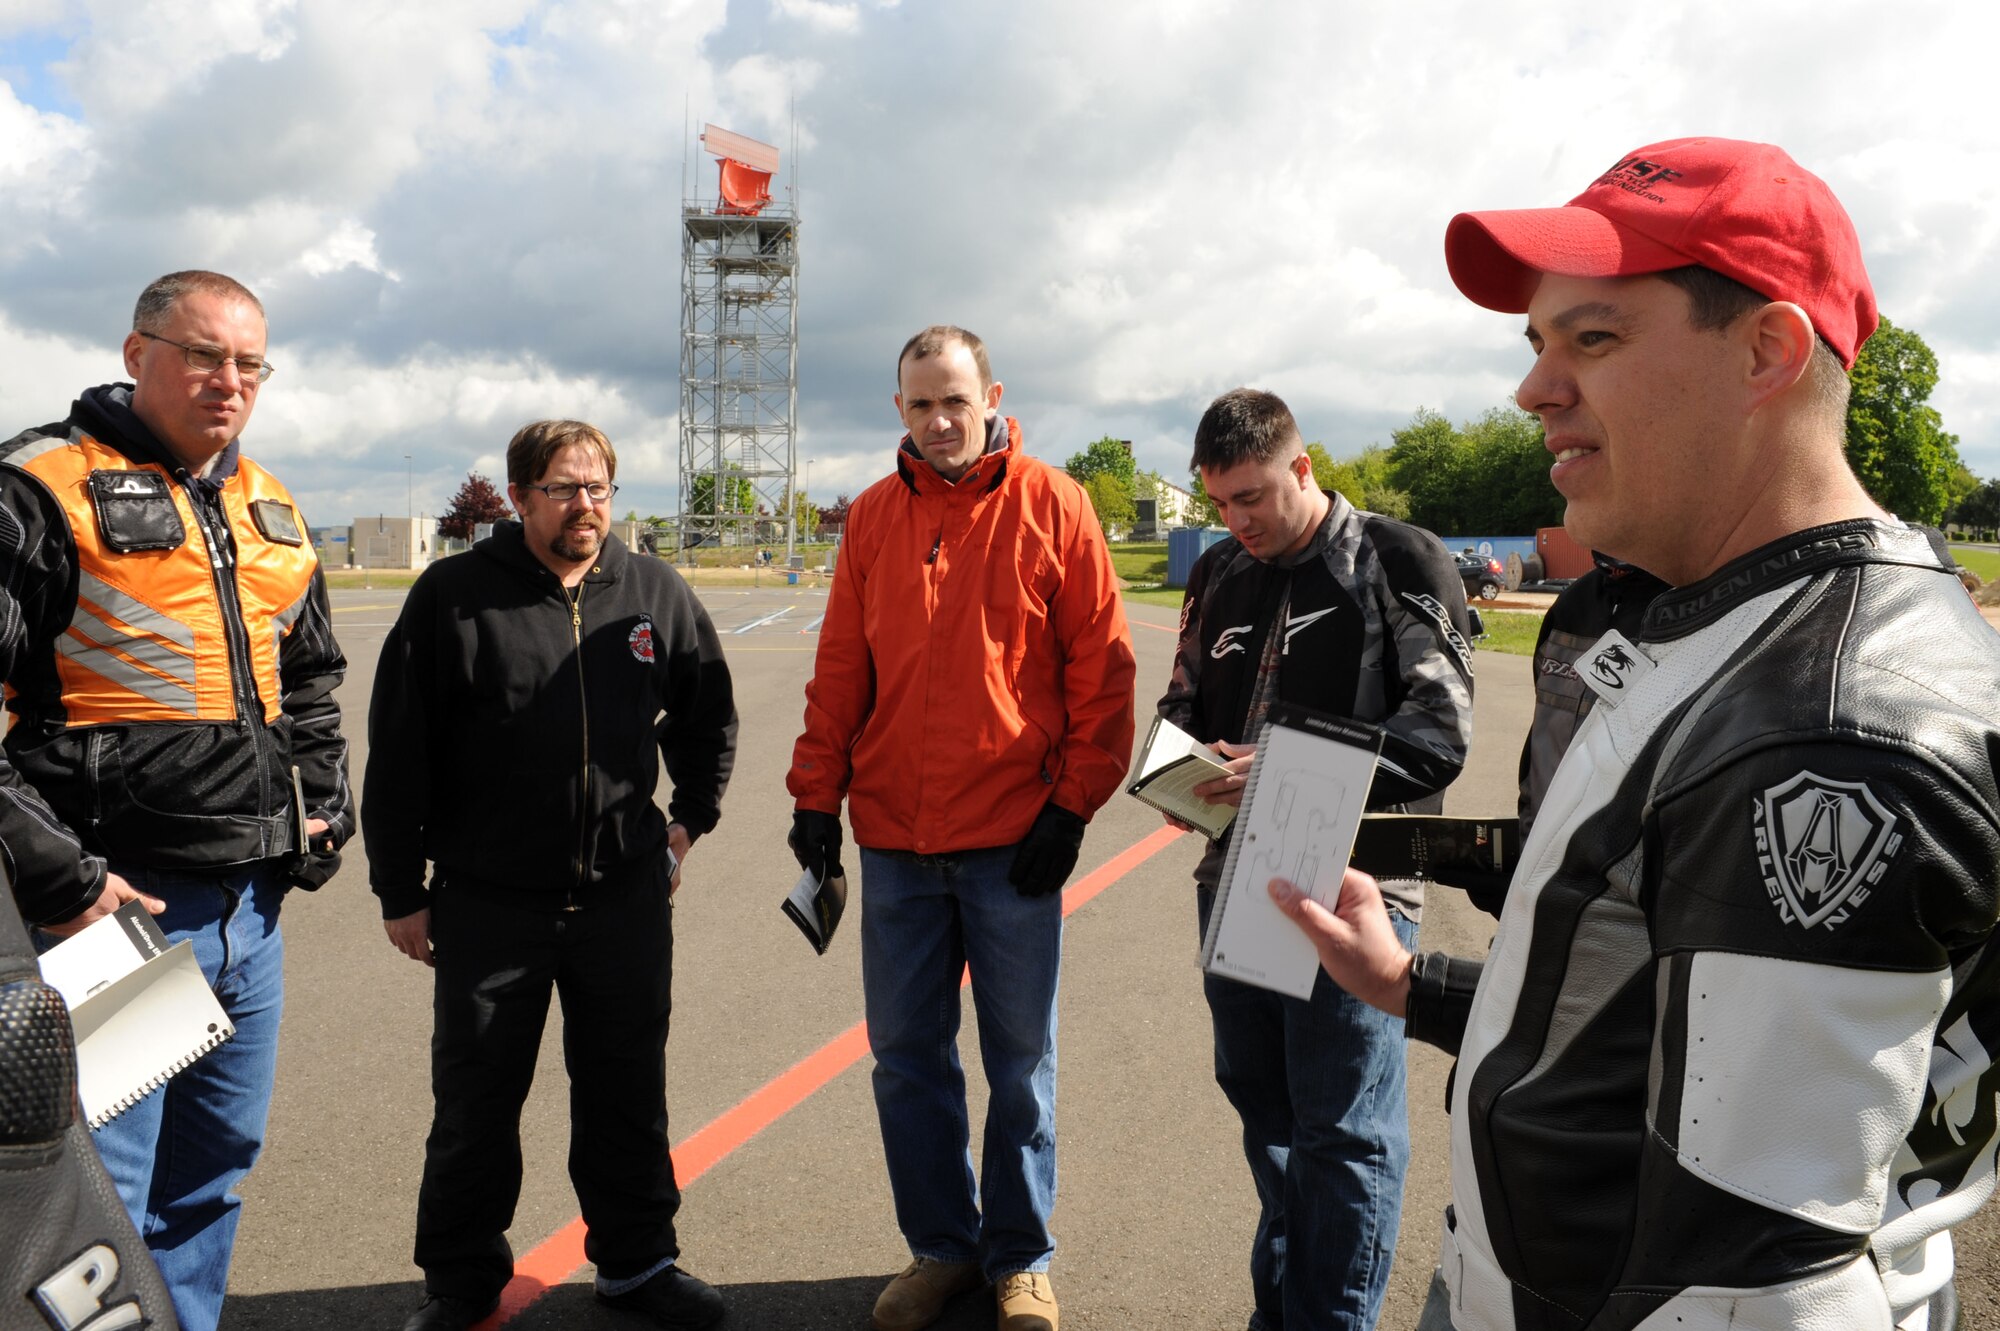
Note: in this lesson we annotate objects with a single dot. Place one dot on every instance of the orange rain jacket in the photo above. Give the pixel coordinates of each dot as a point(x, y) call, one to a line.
point(974, 663)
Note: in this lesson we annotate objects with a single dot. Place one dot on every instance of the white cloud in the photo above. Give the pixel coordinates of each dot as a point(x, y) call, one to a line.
point(821, 14)
point(464, 214)
point(349, 245)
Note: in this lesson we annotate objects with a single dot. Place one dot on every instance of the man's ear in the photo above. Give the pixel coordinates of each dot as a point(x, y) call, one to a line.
point(134, 344)
point(1780, 340)
point(993, 397)
point(1302, 467)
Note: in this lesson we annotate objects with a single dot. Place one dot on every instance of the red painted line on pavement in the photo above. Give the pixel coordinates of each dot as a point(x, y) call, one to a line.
point(555, 1259)
point(1157, 628)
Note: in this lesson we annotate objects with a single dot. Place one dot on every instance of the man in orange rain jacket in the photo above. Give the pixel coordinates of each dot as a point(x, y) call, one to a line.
point(972, 700)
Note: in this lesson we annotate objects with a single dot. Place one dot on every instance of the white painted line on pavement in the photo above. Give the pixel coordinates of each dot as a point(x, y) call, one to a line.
point(759, 623)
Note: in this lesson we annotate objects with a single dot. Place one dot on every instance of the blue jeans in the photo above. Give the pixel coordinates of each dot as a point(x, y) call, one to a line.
point(1319, 1087)
point(177, 1156)
point(924, 918)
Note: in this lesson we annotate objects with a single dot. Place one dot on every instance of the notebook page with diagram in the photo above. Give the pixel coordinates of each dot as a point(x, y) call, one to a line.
point(1302, 804)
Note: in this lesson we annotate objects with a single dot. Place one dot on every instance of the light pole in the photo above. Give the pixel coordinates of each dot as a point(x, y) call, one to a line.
point(410, 504)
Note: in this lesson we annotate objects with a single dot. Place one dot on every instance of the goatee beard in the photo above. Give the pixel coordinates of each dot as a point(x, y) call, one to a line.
point(577, 543)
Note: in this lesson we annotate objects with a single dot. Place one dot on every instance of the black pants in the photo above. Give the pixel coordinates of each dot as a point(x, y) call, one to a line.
point(611, 963)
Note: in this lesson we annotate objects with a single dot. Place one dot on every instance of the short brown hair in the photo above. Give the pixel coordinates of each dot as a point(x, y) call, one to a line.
point(534, 446)
point(1245, 425)
point(932, 341)
point(1715, 302)
point(157, 301)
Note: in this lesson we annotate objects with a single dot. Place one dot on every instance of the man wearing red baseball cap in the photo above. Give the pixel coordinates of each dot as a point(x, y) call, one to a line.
point(1727, 1063)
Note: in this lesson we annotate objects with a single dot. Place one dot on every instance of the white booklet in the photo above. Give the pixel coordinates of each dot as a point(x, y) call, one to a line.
point(142, 1010)
point(1303, 802)
point(1171, 765)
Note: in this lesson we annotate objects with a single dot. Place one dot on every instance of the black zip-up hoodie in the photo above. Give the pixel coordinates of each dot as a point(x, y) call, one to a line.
point(517, 727)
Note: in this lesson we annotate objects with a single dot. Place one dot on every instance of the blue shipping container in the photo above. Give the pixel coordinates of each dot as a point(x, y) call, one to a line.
point(1184, 546)
point(1499, 547)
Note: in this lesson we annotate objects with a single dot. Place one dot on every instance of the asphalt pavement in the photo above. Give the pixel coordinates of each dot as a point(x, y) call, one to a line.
point(787, 1207)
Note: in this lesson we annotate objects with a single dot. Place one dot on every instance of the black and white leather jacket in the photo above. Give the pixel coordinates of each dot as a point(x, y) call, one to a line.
point(1728, 1063)
point(1374, 625)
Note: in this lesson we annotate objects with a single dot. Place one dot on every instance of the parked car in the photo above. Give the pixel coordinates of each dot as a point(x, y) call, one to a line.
point(1483, 576)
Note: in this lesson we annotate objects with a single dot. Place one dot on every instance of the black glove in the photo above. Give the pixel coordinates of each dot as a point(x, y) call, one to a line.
point(1046, 855)
point(815, 840)
point(310, 872)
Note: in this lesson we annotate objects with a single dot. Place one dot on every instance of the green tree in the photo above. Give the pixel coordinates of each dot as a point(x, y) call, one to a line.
point(1111, 496)
point(1510, 475)
point(1106, 457)
point(1431, 462)
point(1896, 442)
point(1981, 508)
point(739, 495)
point(1486, 477)
point(1378, 491)
point(1960, 487)
point(805, 516)
point(476, 502)
point(1201, 509)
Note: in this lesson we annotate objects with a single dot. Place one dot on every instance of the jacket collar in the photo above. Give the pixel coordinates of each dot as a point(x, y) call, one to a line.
point(508, 545)
point(106, 411)
point(1684, 610)
point(1003, 442)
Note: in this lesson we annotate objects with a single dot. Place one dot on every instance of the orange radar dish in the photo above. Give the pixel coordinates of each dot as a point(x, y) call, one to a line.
point(746, 167)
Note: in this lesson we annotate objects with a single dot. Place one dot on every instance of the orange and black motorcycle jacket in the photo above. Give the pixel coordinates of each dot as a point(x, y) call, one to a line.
point(169, 662)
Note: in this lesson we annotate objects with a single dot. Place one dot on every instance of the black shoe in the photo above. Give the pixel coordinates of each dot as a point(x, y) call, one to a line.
point(441, 1312)
point(673, 1299)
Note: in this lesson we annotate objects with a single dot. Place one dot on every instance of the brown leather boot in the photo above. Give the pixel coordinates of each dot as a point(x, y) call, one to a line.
point(1027, 1302)
point(917, 1297)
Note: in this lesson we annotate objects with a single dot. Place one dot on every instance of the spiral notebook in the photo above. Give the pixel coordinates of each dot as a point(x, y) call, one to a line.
point(142, 1010)
point(1302, 804)
point(1171, 764)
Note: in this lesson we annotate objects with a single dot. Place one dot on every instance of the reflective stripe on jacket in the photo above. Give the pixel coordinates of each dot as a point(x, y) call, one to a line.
point(149, 638)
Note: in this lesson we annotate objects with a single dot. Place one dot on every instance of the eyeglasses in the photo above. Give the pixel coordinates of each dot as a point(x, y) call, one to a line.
point(209, 360)
point(564, 491)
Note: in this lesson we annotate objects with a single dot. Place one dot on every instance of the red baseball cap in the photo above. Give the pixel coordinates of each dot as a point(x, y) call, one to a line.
point(1746, 210)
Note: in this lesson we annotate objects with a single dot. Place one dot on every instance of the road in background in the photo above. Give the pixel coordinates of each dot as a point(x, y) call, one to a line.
point(796, 1226)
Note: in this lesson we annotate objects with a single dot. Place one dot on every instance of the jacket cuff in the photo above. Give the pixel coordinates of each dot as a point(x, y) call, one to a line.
point(400, 901)
point(95, 870)
point(1440, 1001)
point(698, 825)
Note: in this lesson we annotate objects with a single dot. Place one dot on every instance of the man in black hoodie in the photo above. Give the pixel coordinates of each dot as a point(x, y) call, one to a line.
point(164, 629)
point(523, 703)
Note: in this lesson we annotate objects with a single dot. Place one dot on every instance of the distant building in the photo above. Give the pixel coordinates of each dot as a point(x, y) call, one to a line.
point(1159, 513)
point(333, 544)
point(1176, 505)
point(385, 542)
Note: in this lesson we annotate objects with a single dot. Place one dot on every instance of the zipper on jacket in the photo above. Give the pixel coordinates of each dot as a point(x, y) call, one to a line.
point(583, 705)
point(243, 678)
point(936, 543)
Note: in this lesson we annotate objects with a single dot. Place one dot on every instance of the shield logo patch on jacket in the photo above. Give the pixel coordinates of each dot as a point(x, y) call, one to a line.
point(1822, 845)
point(641, 640)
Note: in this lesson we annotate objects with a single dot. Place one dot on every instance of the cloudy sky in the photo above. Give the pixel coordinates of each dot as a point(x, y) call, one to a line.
point(464, 214)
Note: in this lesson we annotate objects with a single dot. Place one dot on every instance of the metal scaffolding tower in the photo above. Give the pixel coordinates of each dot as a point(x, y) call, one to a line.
point(739, 353)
